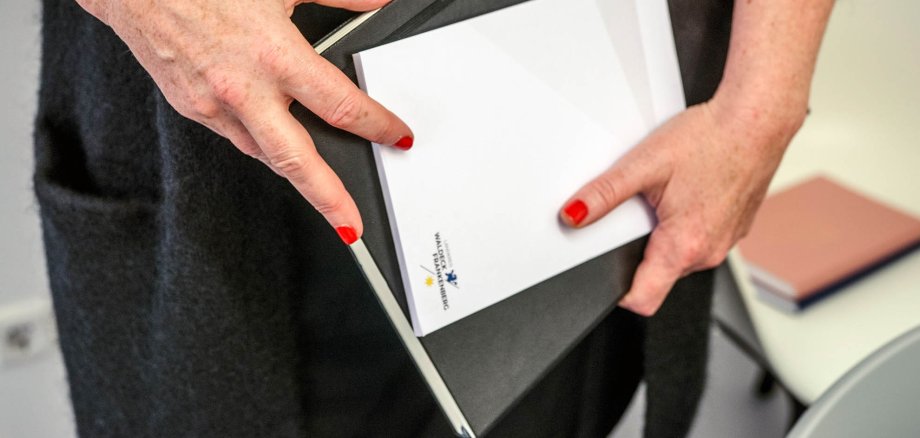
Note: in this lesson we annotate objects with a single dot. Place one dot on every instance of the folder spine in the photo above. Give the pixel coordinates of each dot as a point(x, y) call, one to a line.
point(415, 348)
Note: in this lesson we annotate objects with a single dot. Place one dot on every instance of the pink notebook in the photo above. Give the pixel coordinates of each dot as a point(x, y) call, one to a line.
point(808, 240)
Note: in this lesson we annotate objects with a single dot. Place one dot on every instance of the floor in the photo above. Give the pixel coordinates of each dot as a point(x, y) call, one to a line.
point(730, 407)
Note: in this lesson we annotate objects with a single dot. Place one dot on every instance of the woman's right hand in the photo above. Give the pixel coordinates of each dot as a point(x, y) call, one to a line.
point(236, 66)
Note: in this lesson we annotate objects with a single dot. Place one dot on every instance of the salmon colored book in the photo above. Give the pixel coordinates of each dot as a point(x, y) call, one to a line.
point(810, 239)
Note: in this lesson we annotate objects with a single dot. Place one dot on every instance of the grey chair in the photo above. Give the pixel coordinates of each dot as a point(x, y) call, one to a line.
point(879, 397)
point(732, 319)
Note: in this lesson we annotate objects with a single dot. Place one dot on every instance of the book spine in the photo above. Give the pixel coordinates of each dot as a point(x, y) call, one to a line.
point(777, 301)
point(764, 279)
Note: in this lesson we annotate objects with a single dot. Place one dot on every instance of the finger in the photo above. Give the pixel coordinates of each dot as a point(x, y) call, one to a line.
point(229, 127)
point(353, 5)
point(328, 93)
point(238, 135)
point(635, 172)
point(232, 129)
point(659, 270)
point(289, 149)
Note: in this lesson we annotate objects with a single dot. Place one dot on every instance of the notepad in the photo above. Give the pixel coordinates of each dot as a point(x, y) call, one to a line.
point(509, 121)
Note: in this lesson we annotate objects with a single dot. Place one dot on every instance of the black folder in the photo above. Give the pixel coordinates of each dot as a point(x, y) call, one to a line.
point(490, 359)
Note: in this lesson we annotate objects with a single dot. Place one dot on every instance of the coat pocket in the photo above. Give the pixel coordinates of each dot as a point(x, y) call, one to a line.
point(101, 256)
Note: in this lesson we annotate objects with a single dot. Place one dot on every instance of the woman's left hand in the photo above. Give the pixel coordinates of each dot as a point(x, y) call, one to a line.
point(705, 173)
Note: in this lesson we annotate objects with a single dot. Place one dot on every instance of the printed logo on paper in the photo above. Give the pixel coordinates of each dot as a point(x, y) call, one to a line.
point(441, 274)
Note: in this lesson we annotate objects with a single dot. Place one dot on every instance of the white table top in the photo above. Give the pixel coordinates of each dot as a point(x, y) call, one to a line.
point(864, 131)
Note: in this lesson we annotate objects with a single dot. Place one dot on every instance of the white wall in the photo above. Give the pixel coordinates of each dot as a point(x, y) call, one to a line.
point(33, 392)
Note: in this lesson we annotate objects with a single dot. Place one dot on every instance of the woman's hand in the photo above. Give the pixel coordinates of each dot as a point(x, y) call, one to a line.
point(705, 172)
point(236, 66)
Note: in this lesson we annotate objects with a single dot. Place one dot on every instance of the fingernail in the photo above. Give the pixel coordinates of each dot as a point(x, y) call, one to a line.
point(404, 143)
point(576, 211)
point(347, 234)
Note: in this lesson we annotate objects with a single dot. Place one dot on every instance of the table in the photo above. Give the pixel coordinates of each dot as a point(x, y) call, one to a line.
point(863, 131)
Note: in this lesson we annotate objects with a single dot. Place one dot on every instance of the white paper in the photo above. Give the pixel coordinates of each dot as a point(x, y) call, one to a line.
point(666, 86)
point(512, 113)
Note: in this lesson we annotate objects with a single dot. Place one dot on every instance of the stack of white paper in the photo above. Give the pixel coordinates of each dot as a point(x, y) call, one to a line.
point(513, 112)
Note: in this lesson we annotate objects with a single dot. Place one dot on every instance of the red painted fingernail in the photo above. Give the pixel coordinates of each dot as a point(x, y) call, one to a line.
point(576, 211)
point(404, 143)
point(347, 234)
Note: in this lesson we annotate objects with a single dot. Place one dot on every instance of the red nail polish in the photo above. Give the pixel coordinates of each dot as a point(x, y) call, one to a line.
point(347, 234)
point(576, 211)
point(404, 143)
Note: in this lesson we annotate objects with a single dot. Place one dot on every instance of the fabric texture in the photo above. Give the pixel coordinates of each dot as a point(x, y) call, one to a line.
point(198, 295)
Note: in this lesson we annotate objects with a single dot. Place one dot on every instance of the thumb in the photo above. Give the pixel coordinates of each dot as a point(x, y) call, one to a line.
point(631, 175)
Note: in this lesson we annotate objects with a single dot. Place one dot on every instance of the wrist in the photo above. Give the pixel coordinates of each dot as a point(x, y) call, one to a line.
point(763, 108)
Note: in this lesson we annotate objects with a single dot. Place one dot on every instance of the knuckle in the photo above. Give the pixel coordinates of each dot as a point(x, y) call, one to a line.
point(187, 110)
point(293, 165)
point(270, 54)
point(606, 190)
point(203, 107)
point(227, 91)
point(693, 250)
point(329, 205)
point(274, 59)
point(249, 149)
point(347, 112)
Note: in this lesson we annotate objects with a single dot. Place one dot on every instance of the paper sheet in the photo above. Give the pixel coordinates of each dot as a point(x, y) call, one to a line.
point(513, 112)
